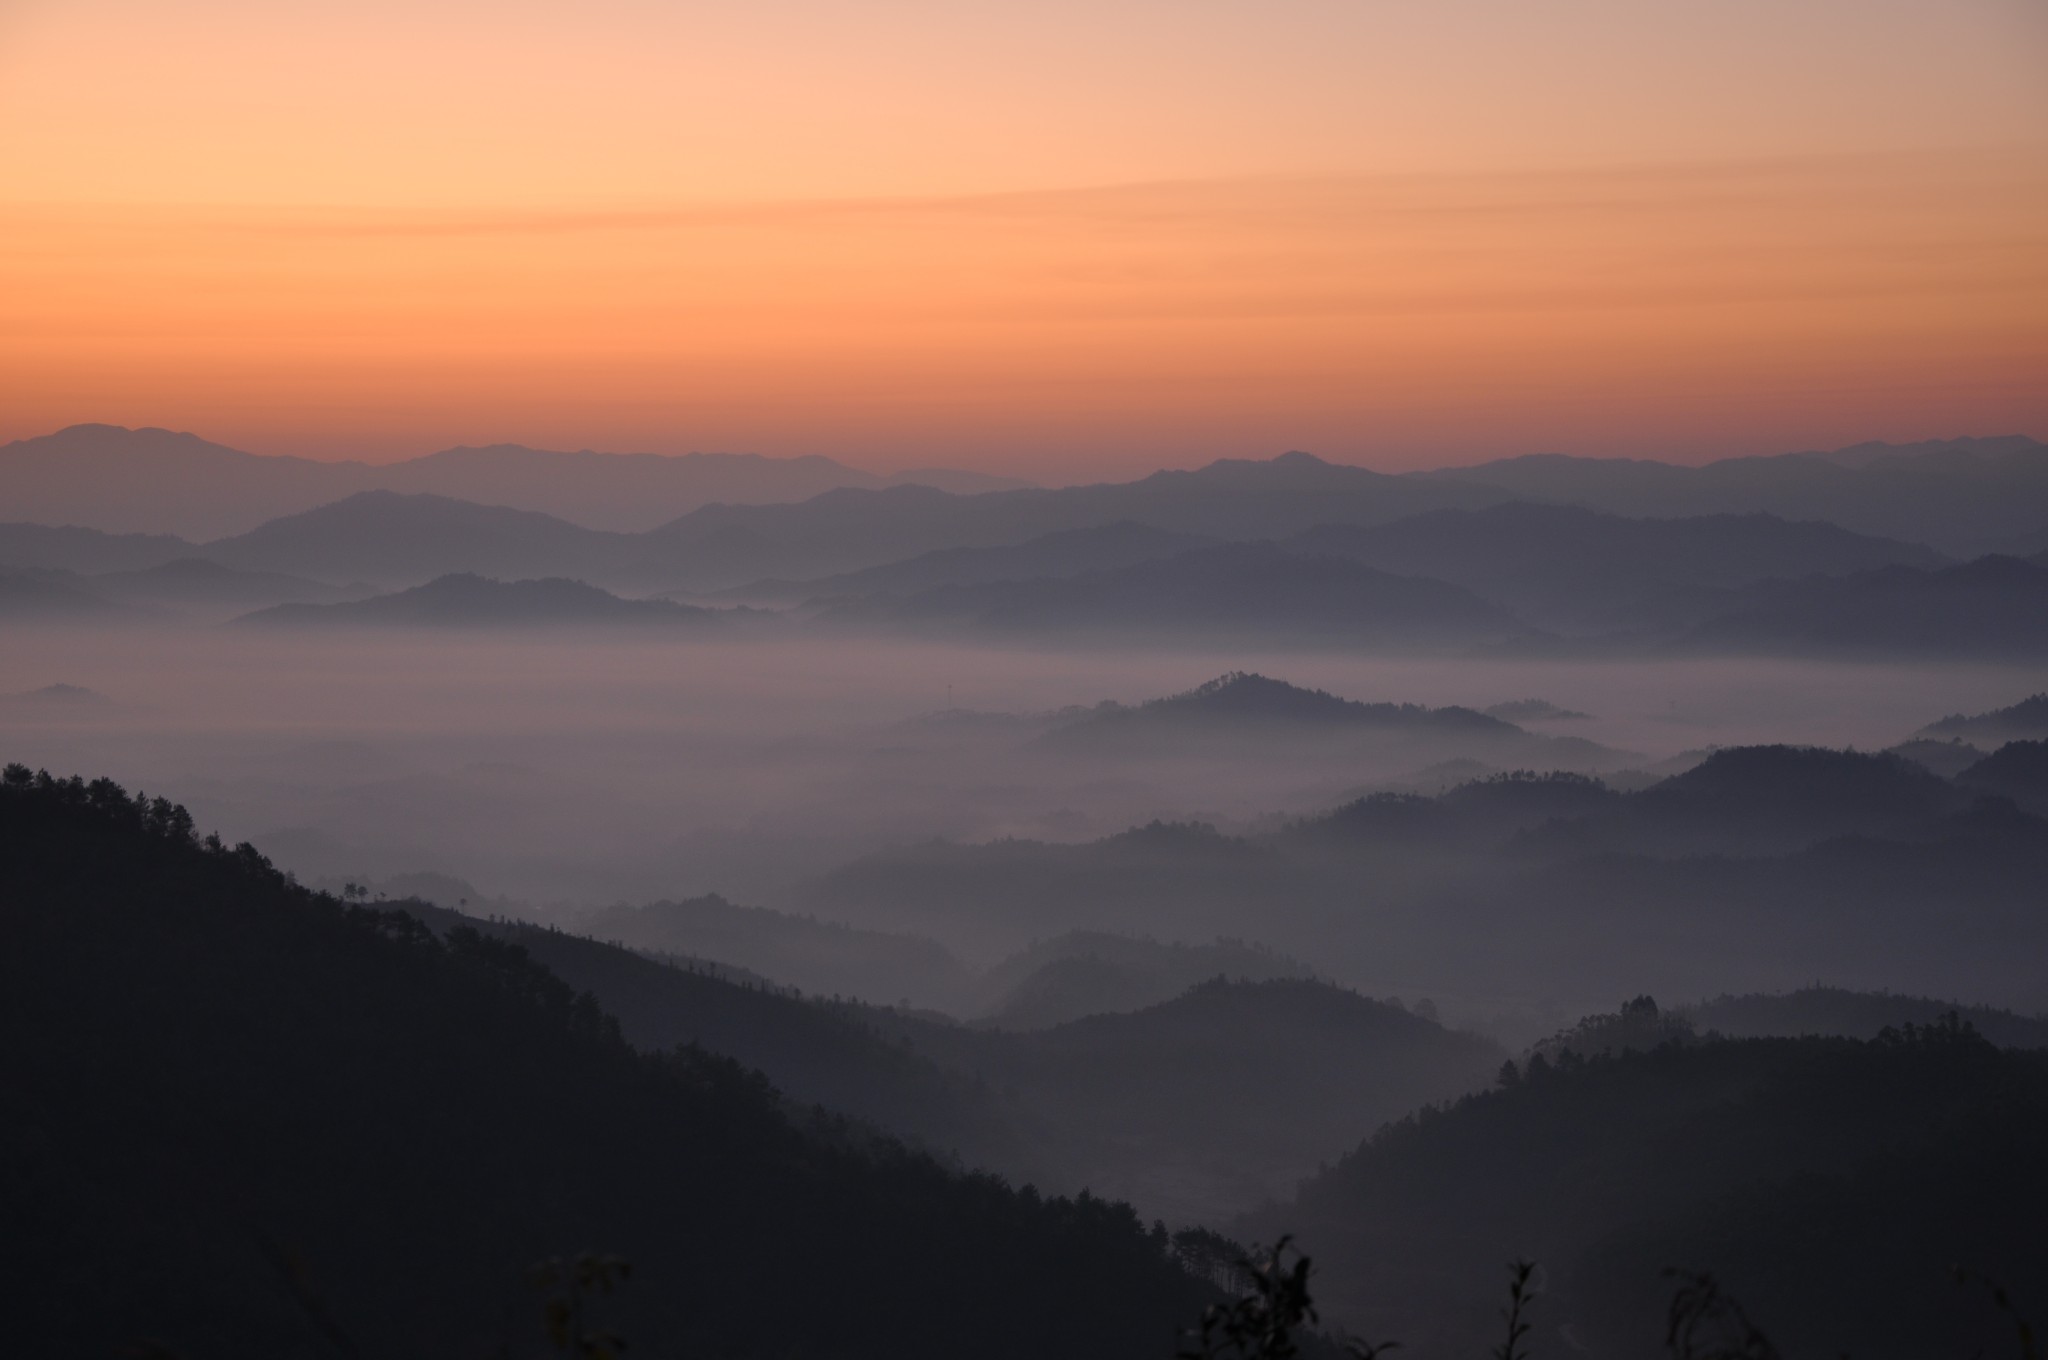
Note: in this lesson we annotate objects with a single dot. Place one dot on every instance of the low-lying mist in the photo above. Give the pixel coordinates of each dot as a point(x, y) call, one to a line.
point(550, 773)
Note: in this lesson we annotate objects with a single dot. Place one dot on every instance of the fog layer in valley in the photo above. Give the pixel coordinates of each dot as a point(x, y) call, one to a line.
point(549, 774)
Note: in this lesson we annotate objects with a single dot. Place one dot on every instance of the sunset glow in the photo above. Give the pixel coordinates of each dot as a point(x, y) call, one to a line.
point(1052, 243)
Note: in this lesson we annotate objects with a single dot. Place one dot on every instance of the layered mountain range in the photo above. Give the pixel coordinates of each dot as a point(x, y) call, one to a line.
point(1532, 556)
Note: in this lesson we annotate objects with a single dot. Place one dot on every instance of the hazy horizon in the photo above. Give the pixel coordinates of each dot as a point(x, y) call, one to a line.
point(1062, 244)
point(1116, 471)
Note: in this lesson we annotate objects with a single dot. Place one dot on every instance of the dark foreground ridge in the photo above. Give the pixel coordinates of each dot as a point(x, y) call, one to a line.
point(238, 1117)
point(1833, 1185)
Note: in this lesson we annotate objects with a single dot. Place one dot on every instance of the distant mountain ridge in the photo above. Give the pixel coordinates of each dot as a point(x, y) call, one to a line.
point(399, 539)
point(157, 481)
point(1236, 591)
point(1760, 867)
point(462, 600)
point(1244, 710)
point(1068, 552)
point(1993, 608)
point(1290, 551)
point(196, 582)
point(1247, 701)
point(1963, 496)
point(1570, 568)
point(2027, 718)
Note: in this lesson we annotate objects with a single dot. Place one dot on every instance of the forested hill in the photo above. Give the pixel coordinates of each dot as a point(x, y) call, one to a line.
point(238, 1118)
point(1832, 1185)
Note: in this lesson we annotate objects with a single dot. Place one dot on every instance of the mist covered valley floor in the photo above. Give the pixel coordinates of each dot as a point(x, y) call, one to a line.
point(1210, 933)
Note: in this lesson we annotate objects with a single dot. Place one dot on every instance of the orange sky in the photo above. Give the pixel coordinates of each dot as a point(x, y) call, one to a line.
point(1062, 240)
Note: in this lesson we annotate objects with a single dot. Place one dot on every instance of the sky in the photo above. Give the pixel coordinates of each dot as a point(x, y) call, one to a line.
point(1058, 240)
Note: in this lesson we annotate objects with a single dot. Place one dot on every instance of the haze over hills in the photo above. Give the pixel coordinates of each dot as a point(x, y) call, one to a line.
point(194, 583)
point(1245, 703)
point(1151, 1100)
point(35, 597)
point(1362, 561)
point(1995, 607)
point(1855, 1015)
point(1241, 592)
point(1577, 570)
point(1068, 553)
point(1033, 1104)
point(402, 540)
point(1962, 496)
point(87, 551)
point(162, 481)
point(1759, 867)
point(465, 601)
point(1091, 972)
point(2017, 770)
point(821, 957)
point(2027, 718)
point(1242, 712)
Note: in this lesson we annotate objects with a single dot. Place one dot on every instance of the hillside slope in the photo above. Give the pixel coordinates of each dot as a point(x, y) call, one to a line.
point(228, 1097)
point(1831, 1185)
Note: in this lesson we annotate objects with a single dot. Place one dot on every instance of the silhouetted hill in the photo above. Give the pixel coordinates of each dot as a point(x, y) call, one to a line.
point(1091, 972)
point(1812, 1177)
point(1569, 568)
point(226, 1094)
point(1532, 710)
point(464, 601)
point(1965, 452)
point(1245, 702)
point(1480, 813)
point(36, 597)
point(720, 547)
point(195, 583)
point(88, 552)
point(1847, 1014)
point(393, 539)
point(1771, 867)
point(730, 519)
point(1067, 553)
point(1960, 496)
point(1242, 498)
point(1239, 591)
point(1152, 1103)
point(1758, 800)
point(158, 481)
point(1802, 793)
point(1253, 714)
point(634, 492)
point(816, 1054)
point(1948, 908)
point(1946, 758)
point(1995, 607)
point(2017, 770)
point(152, 481)
point(821, 957)
point(726, 546)
point(1030, 1105)
point(2025, 719)
point(1007, 893)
